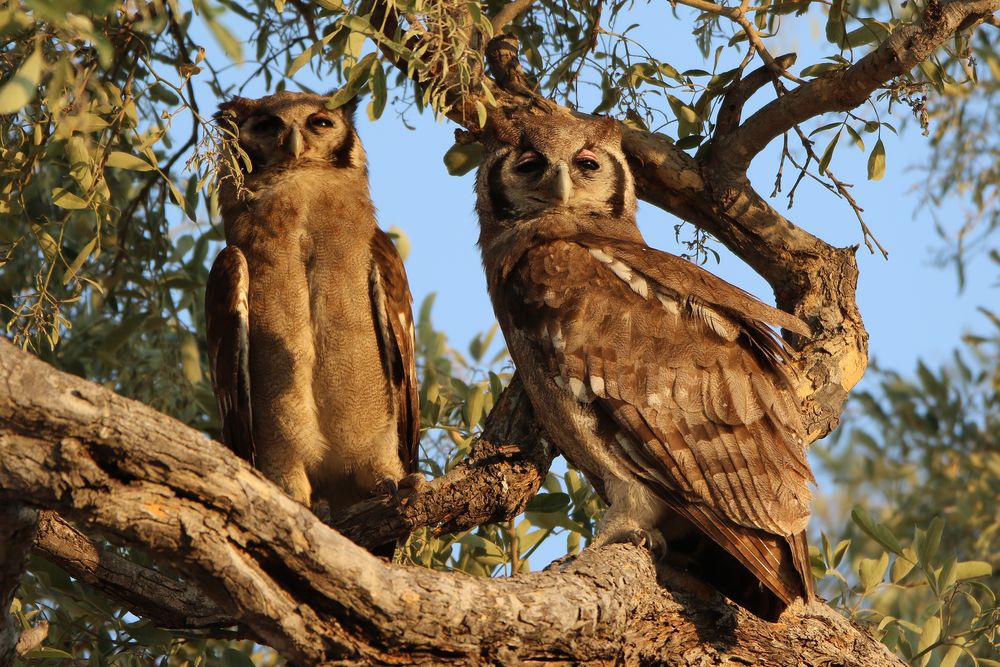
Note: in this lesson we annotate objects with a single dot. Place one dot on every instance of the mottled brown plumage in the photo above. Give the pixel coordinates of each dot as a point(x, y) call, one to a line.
point(660, 381)
point(310, 329)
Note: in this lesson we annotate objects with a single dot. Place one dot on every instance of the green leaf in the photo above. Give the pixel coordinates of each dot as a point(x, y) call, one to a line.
point(931, 542)
point(876, 162)
point(22, 87)
point(835, 23)
point(824, 160)
point(463, 158)
point(548, 502)
point(47, 652)
point(356, 79)
point(63, 198)
point(929, 635)
point(233, 658)
point(900, 568)
point(970, 569)
point(122, 160)
point(230, 45)
point(871, 571)
point(951, 657)
point(876, 530)
point(380, 94)
point(80, 259)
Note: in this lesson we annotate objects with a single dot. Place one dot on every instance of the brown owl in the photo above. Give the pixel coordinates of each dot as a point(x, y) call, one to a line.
point(662, 383)
point(310, 330)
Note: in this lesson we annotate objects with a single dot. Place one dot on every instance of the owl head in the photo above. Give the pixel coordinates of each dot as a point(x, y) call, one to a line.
point(555, 164)
point(294, 128)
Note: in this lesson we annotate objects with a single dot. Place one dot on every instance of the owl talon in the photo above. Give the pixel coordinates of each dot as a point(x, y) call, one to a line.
point(403, 490)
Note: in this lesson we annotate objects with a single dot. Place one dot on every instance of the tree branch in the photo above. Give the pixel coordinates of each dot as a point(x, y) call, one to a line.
point(508, 13)
point(17, 526)
point(146, 480)
point(844, 89)
point(164, 600)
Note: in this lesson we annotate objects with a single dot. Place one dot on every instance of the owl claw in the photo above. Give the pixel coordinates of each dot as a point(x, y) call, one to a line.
point(403, 490)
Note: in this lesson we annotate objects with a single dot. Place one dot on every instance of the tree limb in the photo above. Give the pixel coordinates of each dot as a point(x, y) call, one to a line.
point(17, 526)
point(168, 602)
point(508, 13)
point(148, 481)
point(844, 89)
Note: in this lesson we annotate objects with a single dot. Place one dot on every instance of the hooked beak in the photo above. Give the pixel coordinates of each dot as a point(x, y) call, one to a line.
point(563, 185)
point(295, 142)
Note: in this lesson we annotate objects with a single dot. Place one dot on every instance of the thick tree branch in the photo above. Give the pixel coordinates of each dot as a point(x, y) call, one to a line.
point(144, 479)
point(844, 89)
point(17, 526)
point(508, 13)
point(742, 90)
point(165, 600)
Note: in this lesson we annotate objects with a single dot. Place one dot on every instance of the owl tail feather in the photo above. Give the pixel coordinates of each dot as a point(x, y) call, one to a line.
point(760, 571)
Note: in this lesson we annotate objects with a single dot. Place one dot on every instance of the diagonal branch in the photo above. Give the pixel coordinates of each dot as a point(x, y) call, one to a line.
point(508, 13)
point(844, 89)
point(146, 480)
point(165, 600)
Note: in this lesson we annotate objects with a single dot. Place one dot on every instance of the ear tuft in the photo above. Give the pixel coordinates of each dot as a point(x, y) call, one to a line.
point(236, 107)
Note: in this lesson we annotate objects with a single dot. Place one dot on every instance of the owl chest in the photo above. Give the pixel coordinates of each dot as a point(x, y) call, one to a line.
point(309, 279)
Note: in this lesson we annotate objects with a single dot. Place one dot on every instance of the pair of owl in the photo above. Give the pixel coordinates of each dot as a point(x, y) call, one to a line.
point(662, 383)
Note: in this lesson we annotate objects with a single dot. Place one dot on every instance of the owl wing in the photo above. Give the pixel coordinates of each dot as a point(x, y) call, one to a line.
point(227, 316)
point(693, 382)
point(392, 306)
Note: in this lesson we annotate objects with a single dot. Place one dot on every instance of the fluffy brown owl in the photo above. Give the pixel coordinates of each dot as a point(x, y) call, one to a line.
point(662, 383)
point(310, 330)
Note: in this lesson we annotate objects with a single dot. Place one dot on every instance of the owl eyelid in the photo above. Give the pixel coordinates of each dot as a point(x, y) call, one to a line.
point(529, 162)
point(587, 160)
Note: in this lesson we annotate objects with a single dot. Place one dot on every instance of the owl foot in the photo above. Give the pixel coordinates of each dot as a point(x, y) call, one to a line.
point(403, 490)
point(640, 537)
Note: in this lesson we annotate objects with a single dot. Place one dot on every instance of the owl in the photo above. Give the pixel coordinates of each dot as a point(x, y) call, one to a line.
point(661, 382)
point(310, 329)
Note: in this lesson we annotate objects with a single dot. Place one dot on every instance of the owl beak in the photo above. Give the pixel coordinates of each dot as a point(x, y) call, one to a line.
point(564, 184)
point(295, 142)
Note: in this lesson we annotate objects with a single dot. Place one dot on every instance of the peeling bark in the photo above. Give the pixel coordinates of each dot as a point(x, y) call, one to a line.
point(143, 479)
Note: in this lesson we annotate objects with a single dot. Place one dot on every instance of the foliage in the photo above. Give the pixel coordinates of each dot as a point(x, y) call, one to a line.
point(923, 451)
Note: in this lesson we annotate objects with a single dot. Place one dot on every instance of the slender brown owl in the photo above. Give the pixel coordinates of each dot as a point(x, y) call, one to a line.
point(310, 331)
point(662, 383)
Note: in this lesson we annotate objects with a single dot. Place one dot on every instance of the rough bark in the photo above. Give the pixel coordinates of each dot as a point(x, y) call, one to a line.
point(141, 478)
point(17, 527)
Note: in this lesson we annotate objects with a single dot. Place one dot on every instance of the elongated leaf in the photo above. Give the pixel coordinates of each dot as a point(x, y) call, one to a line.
point(123, 160)
point(463, 158)
point(80, 259)
point(63, 198)
point(876, 162)
point(21, 88)
point(824, 160)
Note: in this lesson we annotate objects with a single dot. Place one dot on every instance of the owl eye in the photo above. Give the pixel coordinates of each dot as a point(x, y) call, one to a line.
point(320, 122)
point(587, 161)
point(529, 163)
point(268, 125)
